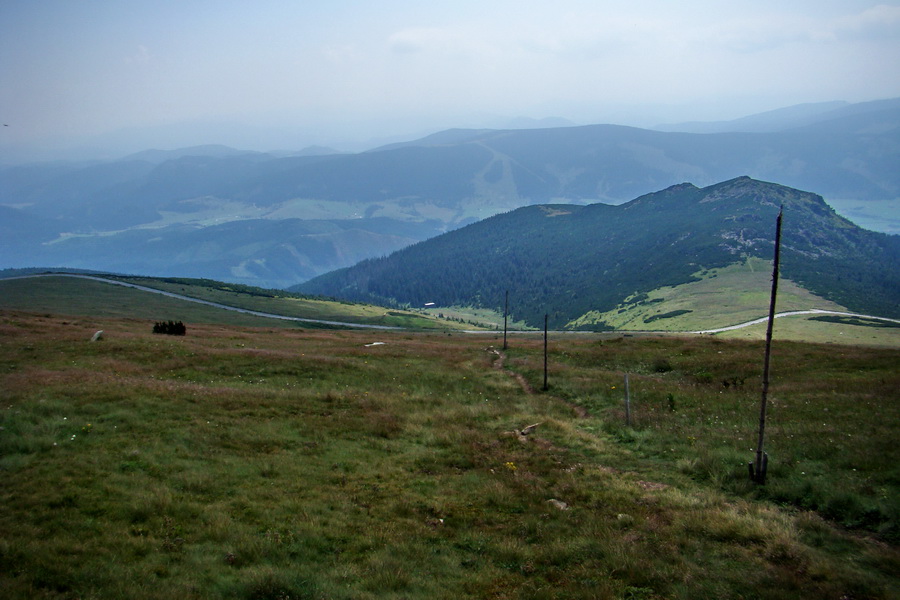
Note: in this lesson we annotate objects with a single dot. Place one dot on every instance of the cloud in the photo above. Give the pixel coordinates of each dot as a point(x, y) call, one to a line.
point(592, 34)
point(141, 57)
point(388, 62)
point(469, 43)
point(344, 53)
point(421, 39)
point(880, 21)
point(774, 30)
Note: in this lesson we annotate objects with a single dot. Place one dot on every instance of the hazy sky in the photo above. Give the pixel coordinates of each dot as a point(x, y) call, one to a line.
point(285, 74)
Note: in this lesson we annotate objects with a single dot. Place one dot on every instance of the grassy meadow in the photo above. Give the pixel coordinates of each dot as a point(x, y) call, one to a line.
point(281, 303)
point(262, 462)
point(73, 296)
point(77, 296)
point(719, 298)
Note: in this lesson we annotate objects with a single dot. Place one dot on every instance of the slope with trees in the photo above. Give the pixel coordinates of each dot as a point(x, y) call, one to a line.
point(568, 260)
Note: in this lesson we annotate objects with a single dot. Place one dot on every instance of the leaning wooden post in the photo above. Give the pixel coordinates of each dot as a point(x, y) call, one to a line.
point(758, 473)
point(627, 402)
point(505, 314)
point(545, 388)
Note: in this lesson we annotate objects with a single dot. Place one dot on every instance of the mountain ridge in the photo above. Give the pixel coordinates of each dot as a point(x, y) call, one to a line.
point(437, 183)
point(568, 260)
point(783, 119)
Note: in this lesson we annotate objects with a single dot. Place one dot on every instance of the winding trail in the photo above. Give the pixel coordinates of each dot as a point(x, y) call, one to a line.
point(500, 365)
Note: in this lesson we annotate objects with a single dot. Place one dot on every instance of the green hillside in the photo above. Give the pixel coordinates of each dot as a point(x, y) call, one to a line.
point(718, 298)
point(722, 298)
point(572, 261)
point(254, 463)
point(70, 295)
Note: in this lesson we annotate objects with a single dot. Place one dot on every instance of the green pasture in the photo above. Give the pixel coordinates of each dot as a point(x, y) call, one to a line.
point(76, 296)
point(247, 462)
point(721, 297)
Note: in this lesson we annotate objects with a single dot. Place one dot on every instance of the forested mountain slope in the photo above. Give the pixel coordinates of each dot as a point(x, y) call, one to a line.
point(272, 220)
point(568, 260)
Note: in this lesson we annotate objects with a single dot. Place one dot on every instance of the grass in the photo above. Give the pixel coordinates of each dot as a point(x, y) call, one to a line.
point(292, 306)
point(74, 296)
point(482, 317)
point(829, 427)
point(242, 462)
point(722, 297)
point(71, 296)
point(813, 329)
point(737, 294)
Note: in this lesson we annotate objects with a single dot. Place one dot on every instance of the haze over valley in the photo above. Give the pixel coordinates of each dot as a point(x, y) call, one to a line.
point(272, 146)
point(275, 220)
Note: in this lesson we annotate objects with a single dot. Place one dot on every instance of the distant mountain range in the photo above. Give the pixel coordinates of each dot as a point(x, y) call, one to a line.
point(569, 261)
point(790, 117)
point(276, 219)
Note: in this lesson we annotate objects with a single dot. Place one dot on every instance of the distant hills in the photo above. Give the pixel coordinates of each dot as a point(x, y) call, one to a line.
point(161, 156)
point(570, 261)
point(790, 117)
point(276, 219)
point(875, 115)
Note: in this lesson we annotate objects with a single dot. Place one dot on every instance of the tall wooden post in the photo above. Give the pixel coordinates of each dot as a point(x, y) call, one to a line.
point(627, 402)
point(505, 314)
point(546, 387)
point(758, 471)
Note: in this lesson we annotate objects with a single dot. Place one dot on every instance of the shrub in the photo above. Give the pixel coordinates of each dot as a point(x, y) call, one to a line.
point(662, 365)
point(170, 328)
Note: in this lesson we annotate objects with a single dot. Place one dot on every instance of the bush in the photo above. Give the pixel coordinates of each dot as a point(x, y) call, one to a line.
point(170, 328)
point(662, 365)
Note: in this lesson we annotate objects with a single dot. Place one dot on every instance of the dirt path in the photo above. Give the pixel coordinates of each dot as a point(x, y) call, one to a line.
point(500, 365)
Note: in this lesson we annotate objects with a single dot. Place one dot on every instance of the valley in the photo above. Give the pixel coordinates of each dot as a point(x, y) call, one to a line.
point(276, 220)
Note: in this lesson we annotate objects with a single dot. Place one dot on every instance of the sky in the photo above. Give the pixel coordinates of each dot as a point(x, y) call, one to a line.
point(94, 77)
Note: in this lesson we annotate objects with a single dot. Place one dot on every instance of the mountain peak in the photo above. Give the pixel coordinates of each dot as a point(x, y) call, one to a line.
point(740, 185)
point(590, 261)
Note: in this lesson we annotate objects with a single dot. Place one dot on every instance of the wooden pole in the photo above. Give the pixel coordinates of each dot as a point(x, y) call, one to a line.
point(627, 402)
point(505, 314)
point(546, 387)
point(758, 474)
